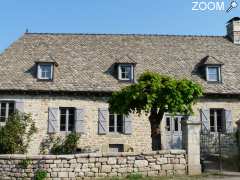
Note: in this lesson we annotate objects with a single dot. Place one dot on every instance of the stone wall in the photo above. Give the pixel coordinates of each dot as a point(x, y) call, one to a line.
point(232, 104)
point(139, 140)
point(168, 162)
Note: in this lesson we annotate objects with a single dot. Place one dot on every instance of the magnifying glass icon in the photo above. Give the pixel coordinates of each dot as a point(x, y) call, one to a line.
point(233, 4)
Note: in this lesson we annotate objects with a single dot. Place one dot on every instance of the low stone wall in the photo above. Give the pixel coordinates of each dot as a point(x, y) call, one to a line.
point(157, 163)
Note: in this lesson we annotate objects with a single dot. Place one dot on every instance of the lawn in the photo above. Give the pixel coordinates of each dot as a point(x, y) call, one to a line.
point(140, 177)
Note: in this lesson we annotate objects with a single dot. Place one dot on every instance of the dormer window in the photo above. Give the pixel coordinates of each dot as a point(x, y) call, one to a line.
point(125, 72)
point(45, 71)
point(213, 73)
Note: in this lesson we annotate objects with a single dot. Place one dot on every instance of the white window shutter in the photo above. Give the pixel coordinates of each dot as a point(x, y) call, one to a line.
point(53, 120)
point(128, 124)
point(79, 121)
point(103, 118)
point(205, 118)
point(19, 106)
point(228, 123)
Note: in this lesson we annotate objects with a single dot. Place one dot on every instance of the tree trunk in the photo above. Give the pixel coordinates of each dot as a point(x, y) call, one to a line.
point(155, 119)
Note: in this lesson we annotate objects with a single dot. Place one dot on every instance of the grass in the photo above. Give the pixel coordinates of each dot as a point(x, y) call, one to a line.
point(184, 177)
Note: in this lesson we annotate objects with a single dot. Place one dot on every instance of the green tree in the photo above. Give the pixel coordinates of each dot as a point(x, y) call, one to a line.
point(155, 94)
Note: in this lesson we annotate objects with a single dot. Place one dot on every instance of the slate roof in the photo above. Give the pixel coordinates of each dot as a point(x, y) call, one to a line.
point(86, 61)
point(210, 60)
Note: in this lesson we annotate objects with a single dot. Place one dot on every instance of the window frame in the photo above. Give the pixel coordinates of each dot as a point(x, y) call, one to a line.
point(170, 123)
point(7, 110)
point(219, 78)
point(39, 71)
point(67, 119)
point(120, 72)
point(115, 125)
point(216, 128)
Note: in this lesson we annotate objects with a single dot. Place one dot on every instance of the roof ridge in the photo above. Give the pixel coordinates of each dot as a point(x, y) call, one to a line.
point(120, 34)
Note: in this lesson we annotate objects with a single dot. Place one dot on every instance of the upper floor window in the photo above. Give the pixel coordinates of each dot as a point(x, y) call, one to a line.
point(6, 109)
point(213, 73)
point(45, 71)
point(125, 72)
point(67, 119)
point(115, 123)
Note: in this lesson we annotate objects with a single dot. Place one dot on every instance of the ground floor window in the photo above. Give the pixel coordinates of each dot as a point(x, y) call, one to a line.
point(116, 148)
point(67, 119)
point(115, 123)
point(173, 123)
point(6, 109)
point(216, 120)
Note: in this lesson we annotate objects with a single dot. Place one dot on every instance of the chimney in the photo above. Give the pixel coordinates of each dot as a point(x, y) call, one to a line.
point(233, 30)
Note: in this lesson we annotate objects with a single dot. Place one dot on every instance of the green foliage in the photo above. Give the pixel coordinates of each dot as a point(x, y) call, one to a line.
point(67, 145)
point(24, 163)
point(16, 134)
point(155, 91)
point(40, 174)
point(135, 176)
point(46, 144)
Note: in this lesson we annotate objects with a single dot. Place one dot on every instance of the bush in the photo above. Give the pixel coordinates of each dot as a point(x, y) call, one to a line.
point(40, 174)
point(16, 134)
point(66, 146)
point(24, 163)
point(46, 144)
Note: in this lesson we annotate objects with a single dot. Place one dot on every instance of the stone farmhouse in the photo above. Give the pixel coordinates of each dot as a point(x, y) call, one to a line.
point(64, 81)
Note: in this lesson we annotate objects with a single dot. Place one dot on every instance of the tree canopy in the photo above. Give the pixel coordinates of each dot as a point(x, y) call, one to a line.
point(156, 93)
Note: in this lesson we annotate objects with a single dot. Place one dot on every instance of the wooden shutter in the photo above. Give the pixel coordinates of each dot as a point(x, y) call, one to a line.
point(205, 118)
point(103, 117)
point(53, 120)
point(228, 123)
point(79, 121)
point(19, 106)
point(128, 124)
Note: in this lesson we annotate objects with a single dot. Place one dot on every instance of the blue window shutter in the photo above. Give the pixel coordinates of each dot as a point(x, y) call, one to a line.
point(79, 121)
point(128, 124)
point(19, 105)
point(103, 118)
point(205, 118)
point(53, 120)
point(228, 125)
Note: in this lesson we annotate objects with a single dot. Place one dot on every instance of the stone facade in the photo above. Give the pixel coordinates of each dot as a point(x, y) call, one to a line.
point(210, 142)
point(138, 141)
point(172, 162)
point(232, 104)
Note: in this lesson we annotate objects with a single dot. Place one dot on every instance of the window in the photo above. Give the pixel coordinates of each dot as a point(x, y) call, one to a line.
point(125, 72)
point(116, 148)
point(213, 74)
point(168, 123)
point(173, 123)
point(67, 119)
point(176, 124)
point(6, 109)
point(45, 71)
point(115, 123)
point(216, 120)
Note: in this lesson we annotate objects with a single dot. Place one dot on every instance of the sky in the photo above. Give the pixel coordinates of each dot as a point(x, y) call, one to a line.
point(112, 16)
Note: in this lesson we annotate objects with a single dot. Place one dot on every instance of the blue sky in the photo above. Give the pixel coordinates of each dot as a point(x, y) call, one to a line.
point(109, 16)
